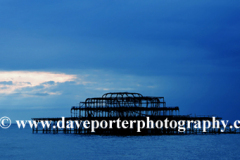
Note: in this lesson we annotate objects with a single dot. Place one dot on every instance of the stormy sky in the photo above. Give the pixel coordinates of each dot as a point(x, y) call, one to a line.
point(54, 54)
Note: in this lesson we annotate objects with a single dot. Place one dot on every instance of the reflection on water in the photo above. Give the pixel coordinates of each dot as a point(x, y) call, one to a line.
point(22, 144)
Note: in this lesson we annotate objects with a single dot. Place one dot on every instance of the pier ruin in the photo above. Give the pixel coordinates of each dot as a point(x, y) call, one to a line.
point(127, 106)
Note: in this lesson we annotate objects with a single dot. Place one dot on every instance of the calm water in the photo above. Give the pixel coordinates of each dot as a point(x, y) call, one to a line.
point(22, 144)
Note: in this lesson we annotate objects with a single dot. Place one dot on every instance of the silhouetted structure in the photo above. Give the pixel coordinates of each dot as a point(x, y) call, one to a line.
point(127, 106)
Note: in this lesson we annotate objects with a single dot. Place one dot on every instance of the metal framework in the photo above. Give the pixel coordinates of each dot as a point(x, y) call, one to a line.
point(123, 104)
point(127, 106)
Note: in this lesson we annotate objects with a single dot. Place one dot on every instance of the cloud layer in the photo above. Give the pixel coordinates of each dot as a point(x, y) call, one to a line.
point(185, 51)
point(31, 82)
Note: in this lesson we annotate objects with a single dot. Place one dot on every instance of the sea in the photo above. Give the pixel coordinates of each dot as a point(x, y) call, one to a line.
point(20, 144)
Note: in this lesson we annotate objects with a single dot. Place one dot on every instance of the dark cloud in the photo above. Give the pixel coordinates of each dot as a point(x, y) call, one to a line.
point(119, 35)
point(190, 50)
point(49, 82)
point(6, 83)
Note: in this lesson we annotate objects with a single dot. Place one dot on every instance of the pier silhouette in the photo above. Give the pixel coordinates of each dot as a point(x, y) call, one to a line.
point(129, 106)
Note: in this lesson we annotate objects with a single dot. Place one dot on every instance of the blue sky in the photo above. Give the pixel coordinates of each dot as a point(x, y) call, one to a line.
point(57, 53)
